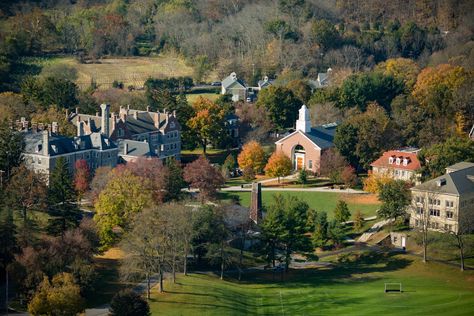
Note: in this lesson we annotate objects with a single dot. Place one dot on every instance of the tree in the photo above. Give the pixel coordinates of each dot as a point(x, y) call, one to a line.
point(145, 245)
point(229, 165)
point(436, 158)
point(154, 174)
point(341, 212)
point(395, 198)
point(51, 91)
point(60, 297)
point(281, 105)
point(336, 233)
point(300, 89)
point(128, 303)
point(124, 195)
point(279, 165)
point(82, 177)
point(208, 122)
point(465, 227)
point(200, 174)
point(8, 246)
point(374, 182)
point(285, 226)
point(325, 34)
point(303, 176)
point(349, 176)
point(401, 69)
point(174, 182)
point(320, 229)
point(252, 156)
point(62, 199)
point(363, 137)
point(361, 89)
point(55, 114)
point(332, 165)
point(102, 175)
point(11, 149)
point(358, 220)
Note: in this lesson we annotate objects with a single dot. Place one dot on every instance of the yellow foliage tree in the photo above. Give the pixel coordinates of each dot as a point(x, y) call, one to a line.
point(373, 182)
point(431, 80)
point(252, 156)
point(60, 297)
point(279, 165)
point(400, 68)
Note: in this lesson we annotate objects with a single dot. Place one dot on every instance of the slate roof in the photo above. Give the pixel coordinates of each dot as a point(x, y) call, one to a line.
point(457, 182)
point(230, 80)
point(459, 166)
point(323, 136)
point(144, 122)
point(59, 145)
point(135, 148)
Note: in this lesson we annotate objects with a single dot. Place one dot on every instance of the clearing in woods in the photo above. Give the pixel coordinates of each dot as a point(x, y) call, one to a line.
point(131, 71)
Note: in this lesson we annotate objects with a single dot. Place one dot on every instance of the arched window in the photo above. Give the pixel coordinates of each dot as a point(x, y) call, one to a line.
point(299, 149)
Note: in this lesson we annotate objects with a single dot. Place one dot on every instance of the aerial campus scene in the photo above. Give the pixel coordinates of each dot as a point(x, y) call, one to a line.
point(236, 157)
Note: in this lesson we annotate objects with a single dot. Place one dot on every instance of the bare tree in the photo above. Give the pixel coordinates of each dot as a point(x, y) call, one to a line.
point(422, 208)
point(465, 226)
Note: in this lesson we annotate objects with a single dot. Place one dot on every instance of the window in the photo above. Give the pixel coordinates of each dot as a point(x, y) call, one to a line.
point(419, 210)
point(449, 214)
point(310, 164)
point(449, 203)
point(416, 223)
point(434, 212)
point(417, 199)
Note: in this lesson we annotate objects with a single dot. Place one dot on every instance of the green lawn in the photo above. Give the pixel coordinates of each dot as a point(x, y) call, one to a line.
point(192, 97)
point(351, 289)
point(320, 201)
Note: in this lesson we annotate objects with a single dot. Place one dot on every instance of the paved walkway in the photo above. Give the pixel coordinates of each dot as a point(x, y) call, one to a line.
point(375, 228)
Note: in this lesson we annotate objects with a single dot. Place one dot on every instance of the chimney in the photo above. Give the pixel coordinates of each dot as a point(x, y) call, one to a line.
point(148, 108)
point(135, 115)
point(114, 121)
point(67, 114)
point(80, 128)
point(46, 143)
point(40, 126)
point(77, 110)
point(34, 127)
point(125, 148)
point(96, 113)
point(174, 113)
point(104, 121)
point(128, 106)
point(156, 120)
point(167, 117)
point(55, 128)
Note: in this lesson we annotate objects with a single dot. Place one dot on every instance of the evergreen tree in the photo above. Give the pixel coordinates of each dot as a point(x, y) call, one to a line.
point(11, 149)
point(8, 246)
point(342, 213)
point(61, 199)
point(174, 181)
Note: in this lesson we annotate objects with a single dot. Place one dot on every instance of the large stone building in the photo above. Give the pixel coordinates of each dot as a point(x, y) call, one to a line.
point(43, 148)
point(446, 202)
point(161, 130)
point(401, 164)
point(306, 145)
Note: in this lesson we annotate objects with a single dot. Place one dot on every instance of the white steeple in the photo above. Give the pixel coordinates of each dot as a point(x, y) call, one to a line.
point(304, 122)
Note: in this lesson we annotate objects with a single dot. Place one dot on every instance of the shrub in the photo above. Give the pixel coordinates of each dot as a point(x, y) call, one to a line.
point(128, 303)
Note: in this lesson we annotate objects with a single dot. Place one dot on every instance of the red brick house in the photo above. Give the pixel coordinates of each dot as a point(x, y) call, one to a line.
point(401, 164)
point(305, 145)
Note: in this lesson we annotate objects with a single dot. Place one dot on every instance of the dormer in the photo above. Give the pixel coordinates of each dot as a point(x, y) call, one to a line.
point(390, 160)
point(398, 161)
point(406, 161)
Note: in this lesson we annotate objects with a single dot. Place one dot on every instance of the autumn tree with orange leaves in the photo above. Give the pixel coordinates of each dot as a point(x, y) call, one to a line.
point(208, 122)
point(252, 156)
point(82, 178)
point(279, 165)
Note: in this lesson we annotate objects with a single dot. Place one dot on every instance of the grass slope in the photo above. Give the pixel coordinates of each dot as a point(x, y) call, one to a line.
point(320, 201)
point(358, 289)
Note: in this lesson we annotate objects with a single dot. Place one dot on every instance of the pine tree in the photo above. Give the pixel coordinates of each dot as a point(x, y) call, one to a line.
point(61, 199)
point(175, 181)
point(8, 246)
point(11, 149)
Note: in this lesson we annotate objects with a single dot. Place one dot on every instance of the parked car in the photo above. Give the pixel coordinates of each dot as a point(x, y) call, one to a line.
point(216, 84)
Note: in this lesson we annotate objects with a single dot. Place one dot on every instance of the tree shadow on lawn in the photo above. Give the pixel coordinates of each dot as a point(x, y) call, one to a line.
point(366, 263)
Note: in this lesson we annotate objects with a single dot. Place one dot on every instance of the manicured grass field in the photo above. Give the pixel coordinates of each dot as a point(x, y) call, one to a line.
point(354, 289)
point(320, 201)
point(193, 97)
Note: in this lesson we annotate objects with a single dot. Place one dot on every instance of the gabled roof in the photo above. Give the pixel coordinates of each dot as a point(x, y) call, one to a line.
point(384, 161)
point(456, 182)
point(459, 166)
point(321, 136)
point(265, 82)
point(230, 80)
